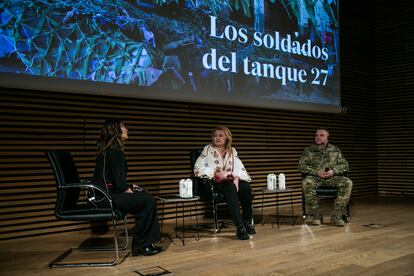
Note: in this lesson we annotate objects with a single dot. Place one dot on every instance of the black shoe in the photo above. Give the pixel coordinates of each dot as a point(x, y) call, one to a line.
point(250, 229)
point(145, 251)
point(242, 233)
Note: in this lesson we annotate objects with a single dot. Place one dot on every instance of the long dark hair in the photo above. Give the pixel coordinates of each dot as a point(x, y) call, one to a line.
point(110, 135)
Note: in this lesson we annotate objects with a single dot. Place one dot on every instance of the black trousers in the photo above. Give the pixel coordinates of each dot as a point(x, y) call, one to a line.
point(143, 206)
point(236, 198)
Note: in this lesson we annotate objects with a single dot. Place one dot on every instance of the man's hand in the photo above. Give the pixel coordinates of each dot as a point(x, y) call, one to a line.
point(325, 175)
point(329, 173)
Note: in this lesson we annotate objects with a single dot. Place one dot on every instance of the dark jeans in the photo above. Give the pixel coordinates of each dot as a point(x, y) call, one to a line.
point(143, 206)
point(234, 199)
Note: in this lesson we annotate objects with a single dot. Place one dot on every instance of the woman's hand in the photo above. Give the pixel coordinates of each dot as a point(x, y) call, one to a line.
point(236, 182)
point(136, 188)
point(129, 190)
point(219, 176)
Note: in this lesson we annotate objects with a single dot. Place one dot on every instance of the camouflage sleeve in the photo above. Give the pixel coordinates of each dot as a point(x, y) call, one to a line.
point(306, 165)
point(341, 165)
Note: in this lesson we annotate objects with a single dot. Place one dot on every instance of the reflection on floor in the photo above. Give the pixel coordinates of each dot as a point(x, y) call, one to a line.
point(378, 240)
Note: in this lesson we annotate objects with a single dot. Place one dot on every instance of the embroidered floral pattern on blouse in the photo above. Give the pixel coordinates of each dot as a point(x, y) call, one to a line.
point(211, 160)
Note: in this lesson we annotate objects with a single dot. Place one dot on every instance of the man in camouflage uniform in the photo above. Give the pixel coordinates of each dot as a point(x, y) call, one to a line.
point(323, 164)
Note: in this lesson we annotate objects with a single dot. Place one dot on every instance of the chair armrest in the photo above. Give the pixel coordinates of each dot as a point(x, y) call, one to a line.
point(85, 184)
point(204, 186)
point(203, 181)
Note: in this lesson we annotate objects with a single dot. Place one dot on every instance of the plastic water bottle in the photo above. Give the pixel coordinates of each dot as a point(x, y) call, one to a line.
point(282, 181)
point(182, 188)
point(189, 188)
point(271, 181)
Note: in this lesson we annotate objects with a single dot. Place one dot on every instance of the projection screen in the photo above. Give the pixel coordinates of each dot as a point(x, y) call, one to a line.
point(281, 54)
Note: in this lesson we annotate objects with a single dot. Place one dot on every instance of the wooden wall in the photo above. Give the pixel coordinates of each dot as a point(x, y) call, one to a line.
point(395, 97)
point(162, 133)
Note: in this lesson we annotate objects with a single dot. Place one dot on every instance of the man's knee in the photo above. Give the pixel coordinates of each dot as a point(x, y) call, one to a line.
point(349, 183)
point(348, 187)
point(344, 183)
point(309, 182)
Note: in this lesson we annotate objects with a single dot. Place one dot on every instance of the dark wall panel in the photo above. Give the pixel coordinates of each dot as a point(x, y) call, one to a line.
point(394, 73)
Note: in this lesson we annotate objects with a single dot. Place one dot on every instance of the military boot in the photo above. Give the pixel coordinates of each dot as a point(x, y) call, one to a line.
point(336, 219)
point(317, 217)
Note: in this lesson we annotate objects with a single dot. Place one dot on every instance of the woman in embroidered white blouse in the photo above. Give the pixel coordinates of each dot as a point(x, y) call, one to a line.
point(219, 161)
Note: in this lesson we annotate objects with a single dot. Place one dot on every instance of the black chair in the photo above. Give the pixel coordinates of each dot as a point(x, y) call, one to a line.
point(69, 206)
point(326, 192)
point(207, 192)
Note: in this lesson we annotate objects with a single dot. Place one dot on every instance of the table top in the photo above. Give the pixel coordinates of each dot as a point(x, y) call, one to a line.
point(287, 190)
point(176, 198)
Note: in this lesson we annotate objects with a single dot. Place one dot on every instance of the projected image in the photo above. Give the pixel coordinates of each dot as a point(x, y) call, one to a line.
point(242, 52)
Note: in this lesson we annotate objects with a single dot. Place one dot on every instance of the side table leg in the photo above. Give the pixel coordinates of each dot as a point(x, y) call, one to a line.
point(198, 229)
point(261, 214)
point(176, 220)
point(291, 205)
point(162, 216)
point(277, 209)
point(183, 226)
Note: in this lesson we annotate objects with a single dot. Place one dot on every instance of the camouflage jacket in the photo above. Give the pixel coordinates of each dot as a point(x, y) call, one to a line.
point(314, 159)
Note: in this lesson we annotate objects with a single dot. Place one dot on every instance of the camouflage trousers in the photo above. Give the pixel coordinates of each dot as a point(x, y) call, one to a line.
point(342, 183)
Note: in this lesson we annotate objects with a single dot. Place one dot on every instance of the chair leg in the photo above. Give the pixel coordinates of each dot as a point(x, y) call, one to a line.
point(125, 245)
point(303, 207)
point(56, 263)
point(215, 217)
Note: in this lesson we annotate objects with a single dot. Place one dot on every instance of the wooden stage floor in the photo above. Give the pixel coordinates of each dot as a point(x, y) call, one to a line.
point(379, 240)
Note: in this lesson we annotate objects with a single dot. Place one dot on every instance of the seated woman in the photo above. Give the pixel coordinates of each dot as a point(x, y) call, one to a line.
point(111, 173)
point(219, 161)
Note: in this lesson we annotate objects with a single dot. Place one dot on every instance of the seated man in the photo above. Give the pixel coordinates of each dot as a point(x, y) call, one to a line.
point(323, 164)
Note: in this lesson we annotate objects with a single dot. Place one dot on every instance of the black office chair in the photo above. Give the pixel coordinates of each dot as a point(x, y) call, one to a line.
point(206, 190)
point(70, 206)
point(325, 192)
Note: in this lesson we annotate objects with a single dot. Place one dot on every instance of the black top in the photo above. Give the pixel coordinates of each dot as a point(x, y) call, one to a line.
point(116, 169)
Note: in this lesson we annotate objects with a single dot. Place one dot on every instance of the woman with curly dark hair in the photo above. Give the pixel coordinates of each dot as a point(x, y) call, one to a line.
point(111, 172)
